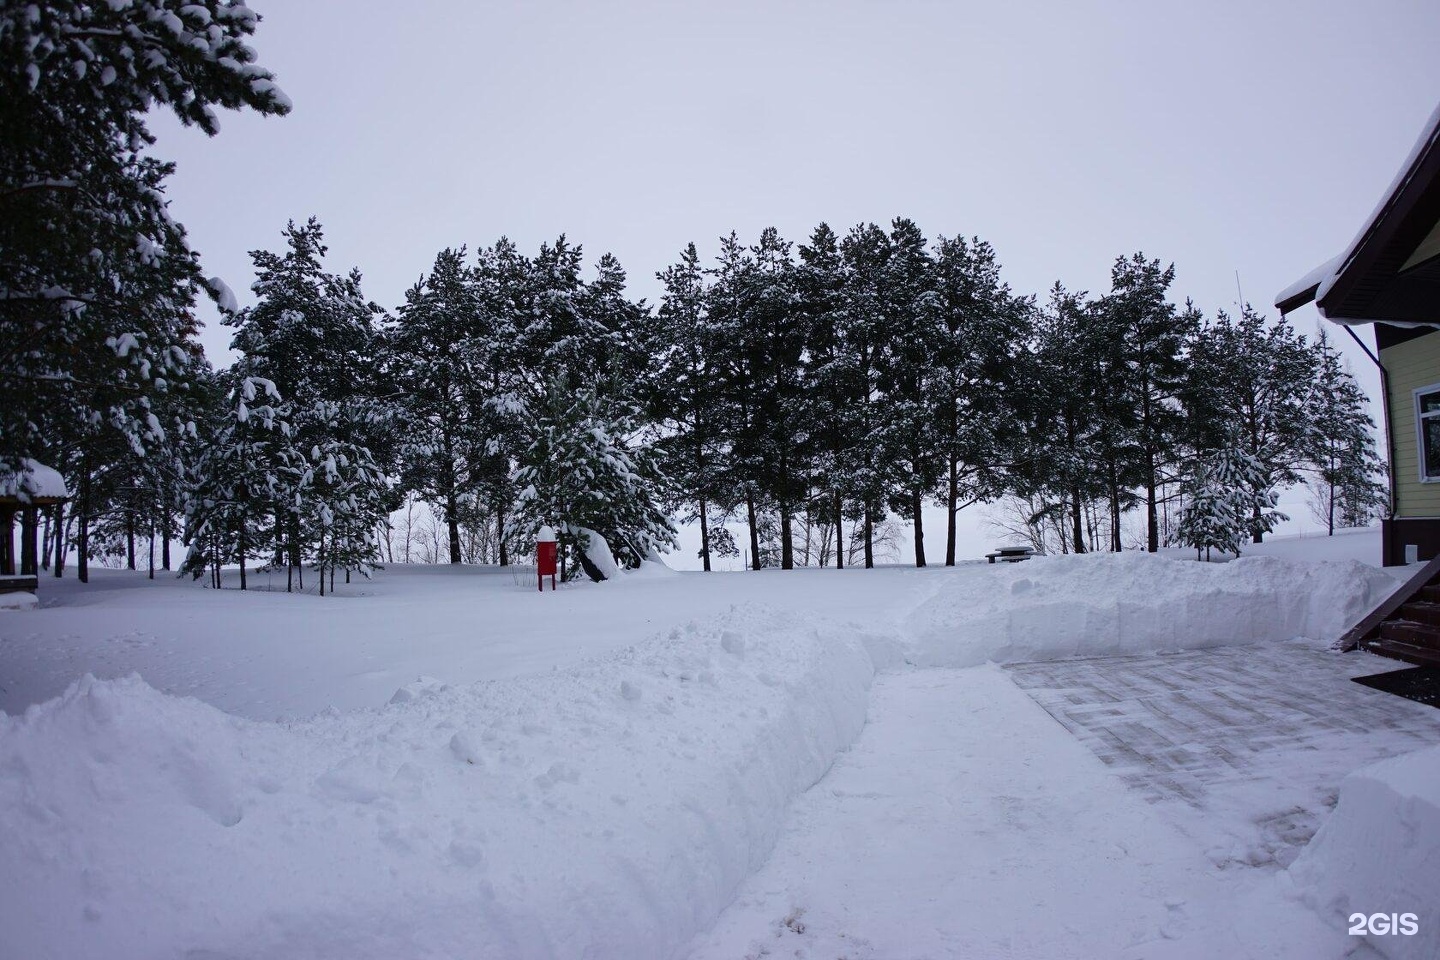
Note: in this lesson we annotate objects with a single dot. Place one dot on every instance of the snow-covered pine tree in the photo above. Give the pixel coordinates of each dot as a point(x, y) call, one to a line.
point(587, 467)
point(906, 377)
point(437, 351)
point(737, 365)
point(96, 278)
point(865, 250)
point(1063, 430)
point(235, 480)
point(1145, 373)
point(1224, 494)
point(1248, 385)
point(681, 397)
point(1340, 444)
point(832, 382)
point(976, 399)
point(314, 336)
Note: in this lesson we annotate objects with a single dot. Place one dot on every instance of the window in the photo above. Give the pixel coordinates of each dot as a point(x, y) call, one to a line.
point(1427, 428)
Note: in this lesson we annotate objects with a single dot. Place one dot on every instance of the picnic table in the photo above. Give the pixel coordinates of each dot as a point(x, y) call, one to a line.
point(1011, 554)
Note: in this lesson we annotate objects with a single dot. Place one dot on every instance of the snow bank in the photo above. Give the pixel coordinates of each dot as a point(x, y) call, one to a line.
point(1131, 603)
point(1379, 853)
point(19, 600)
point(607, 810)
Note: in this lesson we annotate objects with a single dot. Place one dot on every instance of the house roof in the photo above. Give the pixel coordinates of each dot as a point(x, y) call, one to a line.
point(34, 483)
point(1391, 270)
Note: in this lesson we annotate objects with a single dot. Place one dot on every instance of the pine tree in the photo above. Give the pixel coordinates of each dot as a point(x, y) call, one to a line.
point(313, 336)
point(682, 398)
point(980, 328)
point(1340, 444)
point(1145, 368)
point(832, 380)
point(437, 349)
point(587, 467)
point(96, 278)
point(1064, 431)
point(1249, 383)
point(906, 385)
point(865, 250)
point(1226, 492)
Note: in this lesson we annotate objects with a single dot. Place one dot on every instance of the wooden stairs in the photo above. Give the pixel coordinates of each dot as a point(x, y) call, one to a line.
point(1407, 625)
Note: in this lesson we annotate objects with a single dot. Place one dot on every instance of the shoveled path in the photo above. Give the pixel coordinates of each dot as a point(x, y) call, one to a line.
point(966, 822)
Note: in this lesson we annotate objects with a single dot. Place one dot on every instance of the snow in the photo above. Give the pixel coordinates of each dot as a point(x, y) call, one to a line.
point(34, 480)
point(1129, 603)
point(1313, 278)
point(607, 810)
point(18, 600)
point(444, 762)
point(597, 551)
point(939, 835)
point(1379, 852)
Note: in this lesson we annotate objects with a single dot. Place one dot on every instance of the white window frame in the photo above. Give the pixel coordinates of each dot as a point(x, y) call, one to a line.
point(1420, 419)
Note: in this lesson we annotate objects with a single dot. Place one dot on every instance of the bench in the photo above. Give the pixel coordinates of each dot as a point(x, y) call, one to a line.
point(11, 583)
point(1011, 554)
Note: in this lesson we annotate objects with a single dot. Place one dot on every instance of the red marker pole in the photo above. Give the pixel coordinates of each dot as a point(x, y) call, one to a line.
point(546, 553)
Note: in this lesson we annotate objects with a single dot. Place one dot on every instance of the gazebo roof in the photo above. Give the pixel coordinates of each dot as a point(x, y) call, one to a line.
point(35, 483)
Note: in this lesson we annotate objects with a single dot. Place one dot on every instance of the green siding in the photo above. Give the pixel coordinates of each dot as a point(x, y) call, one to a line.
point(1411, 365)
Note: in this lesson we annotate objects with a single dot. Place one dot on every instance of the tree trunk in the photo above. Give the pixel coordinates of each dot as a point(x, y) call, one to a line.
point(1115, 545)
point(82, 565)
point(839, 532)
point(500, 506)
point(754, 531)
point(242, 556)
point(869, 537)
point(787, 549)
point(452, 521)
point(60, 524)
point(1152, 518)
point(917, 504)
point(704, 537)
point(1077, 521)
point(129, 538)
point(45, 540)
point(952, 496)
point(167, 533)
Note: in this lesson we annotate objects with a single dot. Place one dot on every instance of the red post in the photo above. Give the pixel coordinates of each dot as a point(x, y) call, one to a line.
point(546, 553)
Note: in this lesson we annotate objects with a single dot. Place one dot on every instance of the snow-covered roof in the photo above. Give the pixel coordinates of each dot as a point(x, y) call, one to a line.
point(35, 481)
point(1316, 284)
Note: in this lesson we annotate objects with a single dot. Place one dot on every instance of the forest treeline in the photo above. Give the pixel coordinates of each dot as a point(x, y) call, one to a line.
point(816, 395)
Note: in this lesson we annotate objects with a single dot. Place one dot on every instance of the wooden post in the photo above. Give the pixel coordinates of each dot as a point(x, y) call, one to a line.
point(7, 541)
point(29, 555)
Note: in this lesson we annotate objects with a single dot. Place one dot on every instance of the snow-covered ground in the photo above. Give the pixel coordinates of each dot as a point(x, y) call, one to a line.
point(445, 762)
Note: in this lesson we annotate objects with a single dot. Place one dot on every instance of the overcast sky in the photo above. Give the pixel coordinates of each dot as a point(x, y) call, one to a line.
point(1249, 137)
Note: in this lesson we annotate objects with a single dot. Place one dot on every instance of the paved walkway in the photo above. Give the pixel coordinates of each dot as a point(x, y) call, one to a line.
point(1246, 746)
point(966, 823)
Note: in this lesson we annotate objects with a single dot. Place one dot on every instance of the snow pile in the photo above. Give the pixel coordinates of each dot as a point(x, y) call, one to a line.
point(597, 551)
point(1379, 851)
point(18, 600)
point(1132, 603)
point(607, 810)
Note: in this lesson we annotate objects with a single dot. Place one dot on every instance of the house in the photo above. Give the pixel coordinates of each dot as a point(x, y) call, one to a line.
point(1388, 278)
point(24, 493)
